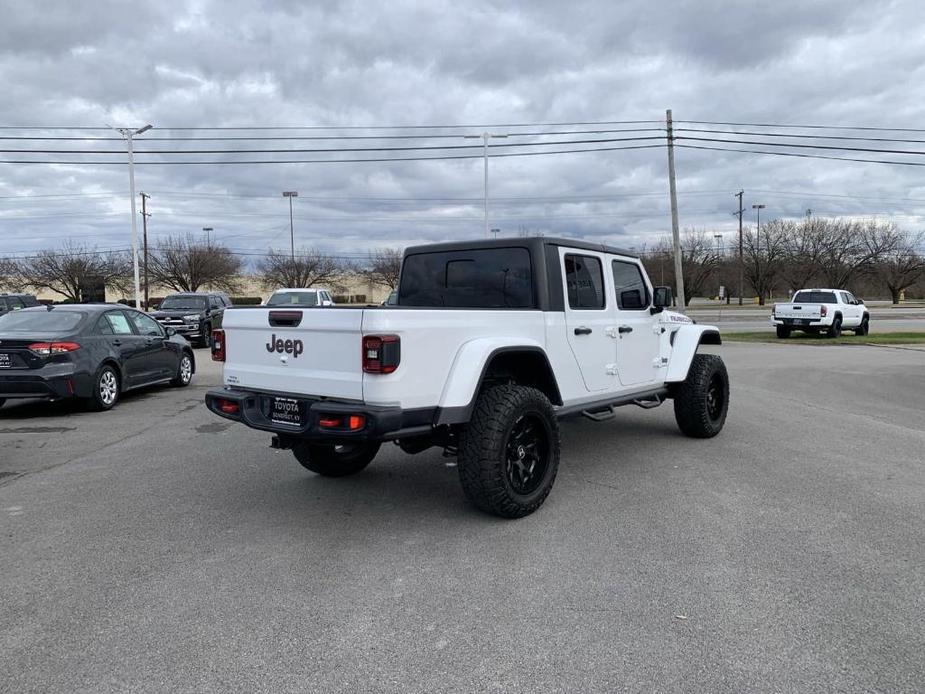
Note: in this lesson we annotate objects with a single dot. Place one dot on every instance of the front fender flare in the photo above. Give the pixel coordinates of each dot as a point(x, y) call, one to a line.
point(684, 344)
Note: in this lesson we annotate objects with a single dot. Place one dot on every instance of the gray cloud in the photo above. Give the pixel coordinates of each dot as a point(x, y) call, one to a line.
point(340, 63)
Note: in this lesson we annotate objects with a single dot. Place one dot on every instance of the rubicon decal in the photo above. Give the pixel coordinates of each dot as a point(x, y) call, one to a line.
point(278, 344)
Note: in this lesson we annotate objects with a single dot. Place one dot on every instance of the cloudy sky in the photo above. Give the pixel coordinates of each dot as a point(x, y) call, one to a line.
point(534, 71)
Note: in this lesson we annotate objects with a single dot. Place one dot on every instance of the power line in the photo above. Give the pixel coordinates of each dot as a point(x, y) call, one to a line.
point(338, 150)
point(325, 161)
point(792, 135)
point(803, 156)
point(799, 146)
point(804, 127)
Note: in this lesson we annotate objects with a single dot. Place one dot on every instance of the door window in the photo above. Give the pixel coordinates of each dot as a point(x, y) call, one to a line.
point(584, 281)
point(216, 302)
point(631, 290)
point(2, 304)
point(145, 325)
point(15, 303)
point(118, 323)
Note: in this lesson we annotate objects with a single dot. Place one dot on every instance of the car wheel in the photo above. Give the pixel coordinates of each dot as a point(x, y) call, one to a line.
point(783, 332)
point(864, 327)
point(701, 401)
point(106, 389)
point(335, 460)
point(509, 451)
point(184, 371)
point(835, 328)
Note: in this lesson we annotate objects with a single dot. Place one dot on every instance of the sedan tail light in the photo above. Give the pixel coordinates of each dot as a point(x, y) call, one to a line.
point(218, 345)
point(46, 348)
point(381, 353)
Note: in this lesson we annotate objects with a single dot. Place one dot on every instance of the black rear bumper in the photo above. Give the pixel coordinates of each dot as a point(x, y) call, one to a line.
point(381, 423)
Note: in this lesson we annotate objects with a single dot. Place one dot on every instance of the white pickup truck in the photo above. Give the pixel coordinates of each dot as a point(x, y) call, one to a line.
point(489, 345)
point(818, 310)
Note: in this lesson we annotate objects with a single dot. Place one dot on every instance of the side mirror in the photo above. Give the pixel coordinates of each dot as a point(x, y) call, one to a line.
point(661, 299)
point(155, 307)
point(171, 332)
point(861, 302)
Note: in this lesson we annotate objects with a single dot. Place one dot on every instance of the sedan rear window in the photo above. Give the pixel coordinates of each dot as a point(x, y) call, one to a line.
point(293, 299)
point(183, 303)
point(43, 321)
point(487, 278)
point(814, 298)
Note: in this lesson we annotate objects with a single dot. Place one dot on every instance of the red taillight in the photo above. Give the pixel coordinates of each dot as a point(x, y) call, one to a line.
point(823, 311)
point(46, 348)
point(228, 406)
point(329, 422)
point(218, 345)
point(356, 422)
point(353, 422)
point(381, 353)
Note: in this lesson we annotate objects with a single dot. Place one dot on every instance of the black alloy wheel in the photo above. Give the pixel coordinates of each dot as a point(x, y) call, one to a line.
point(716, 397)
point(527, 454)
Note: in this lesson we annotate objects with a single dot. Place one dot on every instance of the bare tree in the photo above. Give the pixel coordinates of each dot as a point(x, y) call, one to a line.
point(851, 248)
point(901, 268)
point(764, 255)
point(185, 264)
point(9, 273)
point(699, 261)
point(308, 268)
point(75, 269)
point(803, 250)
point(383, 268)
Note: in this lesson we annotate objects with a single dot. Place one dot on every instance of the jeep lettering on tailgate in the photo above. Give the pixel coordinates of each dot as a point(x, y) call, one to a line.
point(293, 347)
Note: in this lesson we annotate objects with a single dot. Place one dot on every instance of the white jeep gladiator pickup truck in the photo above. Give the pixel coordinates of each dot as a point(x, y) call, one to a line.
point(818, 310)
point(489, 345)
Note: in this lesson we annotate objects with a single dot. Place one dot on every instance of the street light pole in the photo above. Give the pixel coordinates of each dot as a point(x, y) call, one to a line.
point(207, 230)
point(485, 136)
point(758, 208)
point(128, 134)
point(291, 194)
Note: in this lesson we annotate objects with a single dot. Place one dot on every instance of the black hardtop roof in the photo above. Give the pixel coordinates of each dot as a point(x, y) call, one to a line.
point(535, 242)
point(195, 294)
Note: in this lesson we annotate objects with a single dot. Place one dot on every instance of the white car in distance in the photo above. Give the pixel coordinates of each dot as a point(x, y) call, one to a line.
point(300, 297)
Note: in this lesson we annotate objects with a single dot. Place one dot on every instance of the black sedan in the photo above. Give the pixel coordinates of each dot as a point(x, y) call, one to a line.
point(93, 352)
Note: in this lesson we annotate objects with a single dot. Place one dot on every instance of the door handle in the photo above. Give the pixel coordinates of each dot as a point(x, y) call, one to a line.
point(583, 331)
point(117, 343)
point(623, 329)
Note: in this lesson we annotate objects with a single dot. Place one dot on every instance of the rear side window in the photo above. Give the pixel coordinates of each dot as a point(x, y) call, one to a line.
point(15, 303)
point(632, 293)
point(118, 323)
point(814, 298)
point(584, 281)
point(2, 304)
point(486, 278)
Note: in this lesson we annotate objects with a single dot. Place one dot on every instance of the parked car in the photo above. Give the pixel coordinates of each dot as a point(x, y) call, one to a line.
point(16, 302)
point(193, 314)
point(300, 297)
point(490, 345)
point(818, 310)
point(92, 352)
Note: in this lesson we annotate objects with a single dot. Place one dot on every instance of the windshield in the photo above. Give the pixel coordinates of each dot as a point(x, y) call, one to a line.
point(293, 299)
point(814, 298)
point(40, 321)
point(181, 303)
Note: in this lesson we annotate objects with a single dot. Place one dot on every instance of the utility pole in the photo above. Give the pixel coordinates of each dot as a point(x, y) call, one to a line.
point(128, 134)
point(291, 194)
point(485, 137)
point(208, 230)
point(675, 232)
point(144, 225)
point(741, 254)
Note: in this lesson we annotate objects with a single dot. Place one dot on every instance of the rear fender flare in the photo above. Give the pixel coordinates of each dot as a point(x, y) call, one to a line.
point(685, 342)
point(468, 371)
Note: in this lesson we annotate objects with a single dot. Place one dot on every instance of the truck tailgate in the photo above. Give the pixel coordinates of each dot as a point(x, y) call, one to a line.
point(810, 311)
point(311, 351)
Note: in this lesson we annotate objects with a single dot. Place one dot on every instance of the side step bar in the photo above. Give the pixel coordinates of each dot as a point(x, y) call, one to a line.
point(600, 415)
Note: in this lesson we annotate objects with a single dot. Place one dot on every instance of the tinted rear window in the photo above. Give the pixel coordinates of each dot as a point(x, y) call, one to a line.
point(180, 303)
point(814, 298)
point(40, 321)
point(487, 278)
point(293, 299)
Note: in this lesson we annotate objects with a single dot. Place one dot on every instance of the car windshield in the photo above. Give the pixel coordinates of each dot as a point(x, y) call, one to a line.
point(180, 303)
point(293, 299)
point(814, 298)
point(40, 321)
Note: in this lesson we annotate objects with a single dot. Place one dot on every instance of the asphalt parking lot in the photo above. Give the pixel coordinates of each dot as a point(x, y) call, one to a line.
point(159, 548)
